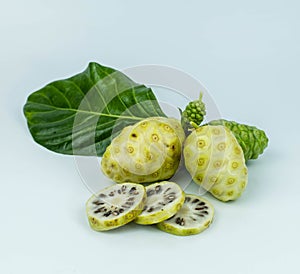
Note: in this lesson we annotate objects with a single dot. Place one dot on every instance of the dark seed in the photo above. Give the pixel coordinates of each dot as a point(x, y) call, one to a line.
point(123, 188)
point(187, 199)
point(195, 201)
point(178, 220)
point(150, 209)
point(158, 189)
point(119, 191)
point(102, 195)
point(198, 214)
point(111, 194)
point(205, 212)
point(182, 222)
point(201, 204)
point(162, 204)
point(121, 210)
point(199, 208)
point(150, 192)
point(98, 203)
point(132, 190)
point(129, 203)
point(167, 190)
point(130, 199)
point(107, 213)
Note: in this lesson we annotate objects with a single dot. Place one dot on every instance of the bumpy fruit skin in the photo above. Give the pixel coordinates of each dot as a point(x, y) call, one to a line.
point(148, 151)
point(216, 161)
point(252, 140)
point(194, 113)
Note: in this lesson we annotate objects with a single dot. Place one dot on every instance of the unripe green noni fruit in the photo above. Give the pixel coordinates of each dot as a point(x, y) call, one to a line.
point(252, 140)
point(148, 151)
point(216, 161)
point(193, 114)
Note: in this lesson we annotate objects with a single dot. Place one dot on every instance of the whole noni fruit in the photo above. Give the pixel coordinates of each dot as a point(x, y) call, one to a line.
point(148, 151)
point(216, 161)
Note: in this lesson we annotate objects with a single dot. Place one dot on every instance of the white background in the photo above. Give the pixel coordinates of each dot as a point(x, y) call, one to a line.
point(247, 53)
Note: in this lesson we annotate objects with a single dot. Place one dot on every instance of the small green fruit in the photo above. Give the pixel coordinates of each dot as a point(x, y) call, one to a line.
point(252, 140)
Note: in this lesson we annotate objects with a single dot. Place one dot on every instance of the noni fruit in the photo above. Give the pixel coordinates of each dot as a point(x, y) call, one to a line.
point(148, 151)
point(216, 161)
point(252, 140)
point(193, 114)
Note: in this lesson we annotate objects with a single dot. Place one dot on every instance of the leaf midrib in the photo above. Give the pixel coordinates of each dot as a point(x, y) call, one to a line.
point(90, 112)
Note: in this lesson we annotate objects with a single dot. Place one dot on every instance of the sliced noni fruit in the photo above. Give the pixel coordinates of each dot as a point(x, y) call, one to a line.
point(195, 215)
point(164, 199)
point(115, 206)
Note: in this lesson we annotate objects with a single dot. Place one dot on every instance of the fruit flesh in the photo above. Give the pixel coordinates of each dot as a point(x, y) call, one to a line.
point(164, 199)
point(115, 206)
point(195, 215)
point(215, 161)
point(149, 151)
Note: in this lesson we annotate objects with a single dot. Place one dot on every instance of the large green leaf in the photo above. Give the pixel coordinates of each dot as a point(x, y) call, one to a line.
point(82, 114)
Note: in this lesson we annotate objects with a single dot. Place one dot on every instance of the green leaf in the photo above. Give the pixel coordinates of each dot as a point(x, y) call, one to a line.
point(81, 115)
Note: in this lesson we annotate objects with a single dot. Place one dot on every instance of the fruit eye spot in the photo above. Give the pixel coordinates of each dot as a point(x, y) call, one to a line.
point(243, 184)
point(155, 174)
point(234, 165)
point(167, 128)
point(201, 162)
point(221, 146)
point(138, 166)
point(216, 131)
point(155, 137)
point(200, 178)
point(216, 192)
point(201, 143)
point(217, 164)
point(237, 150)
point(133, 135)
point(230, 193)
point(144, 124)
point(130, 149)
point(213, 179)
point(230, 181)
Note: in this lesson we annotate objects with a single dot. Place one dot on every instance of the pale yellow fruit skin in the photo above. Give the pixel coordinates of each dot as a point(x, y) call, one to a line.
point(160, 216)
point(148, 151)
point(104, 225)
point(215, 161)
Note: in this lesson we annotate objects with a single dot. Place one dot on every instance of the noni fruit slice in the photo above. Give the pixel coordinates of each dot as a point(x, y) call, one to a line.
point(195, 215)
point(164, 199)
point(252, 140)
point(216, 161)
point(148, 151)
point(115, 206)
